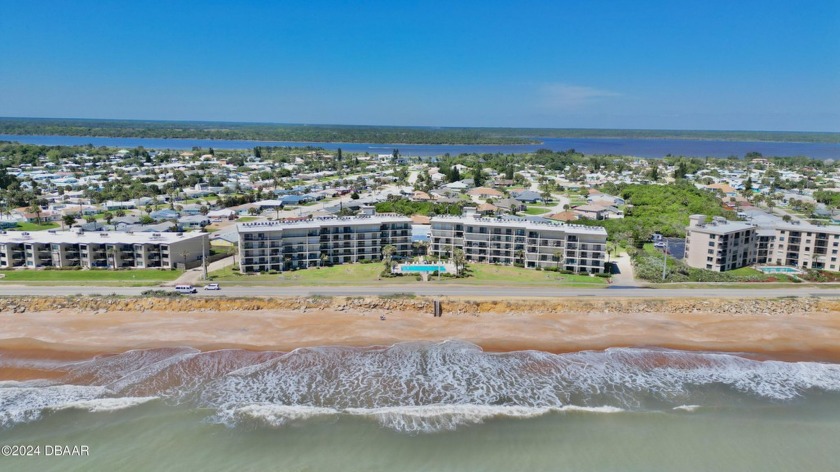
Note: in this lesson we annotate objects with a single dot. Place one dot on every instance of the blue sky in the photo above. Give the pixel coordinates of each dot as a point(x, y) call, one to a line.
point(755, 65)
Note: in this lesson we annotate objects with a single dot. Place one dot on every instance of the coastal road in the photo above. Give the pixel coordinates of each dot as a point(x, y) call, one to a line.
point(450, 290)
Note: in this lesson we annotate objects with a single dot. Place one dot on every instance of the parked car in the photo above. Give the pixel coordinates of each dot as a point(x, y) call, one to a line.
point(212, 287)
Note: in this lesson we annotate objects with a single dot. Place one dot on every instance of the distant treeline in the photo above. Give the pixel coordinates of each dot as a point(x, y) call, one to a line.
point(256, 131)
point(758, 136)
point(368, 134)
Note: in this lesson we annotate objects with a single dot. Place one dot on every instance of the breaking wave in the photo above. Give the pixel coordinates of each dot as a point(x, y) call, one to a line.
point(414, 387)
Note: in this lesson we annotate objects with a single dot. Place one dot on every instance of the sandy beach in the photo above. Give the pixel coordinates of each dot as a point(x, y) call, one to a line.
point(575, 326)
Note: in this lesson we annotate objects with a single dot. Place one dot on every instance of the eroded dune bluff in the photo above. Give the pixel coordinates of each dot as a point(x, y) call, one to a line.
point(450, 305)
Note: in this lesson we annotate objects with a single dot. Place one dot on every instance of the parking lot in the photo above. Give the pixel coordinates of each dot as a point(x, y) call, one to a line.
point(675, 247)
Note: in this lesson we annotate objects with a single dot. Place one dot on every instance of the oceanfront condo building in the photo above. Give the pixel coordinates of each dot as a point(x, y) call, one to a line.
point(528, 243)
point(101, 249)
point(285, 245)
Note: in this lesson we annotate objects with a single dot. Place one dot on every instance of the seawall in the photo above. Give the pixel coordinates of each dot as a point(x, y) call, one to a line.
point(423, 305)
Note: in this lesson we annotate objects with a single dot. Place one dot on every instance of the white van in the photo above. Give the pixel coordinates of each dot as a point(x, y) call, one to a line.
point(185, 289)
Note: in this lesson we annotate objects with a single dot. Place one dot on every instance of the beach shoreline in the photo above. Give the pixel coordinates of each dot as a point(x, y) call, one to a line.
point(797, 330)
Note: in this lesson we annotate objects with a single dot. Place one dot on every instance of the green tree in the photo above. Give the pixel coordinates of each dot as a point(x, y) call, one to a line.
point(479, 177)
point(36, 208)
point(68, 220)
point(460, 261)
point(558, 258)
point(388, 253)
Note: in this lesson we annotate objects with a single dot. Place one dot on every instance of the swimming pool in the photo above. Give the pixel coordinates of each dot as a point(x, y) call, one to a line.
point(779, 270)
point(423, 268)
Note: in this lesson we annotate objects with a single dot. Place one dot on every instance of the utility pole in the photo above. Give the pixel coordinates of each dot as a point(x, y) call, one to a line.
point(664, 260)
point(204, 257)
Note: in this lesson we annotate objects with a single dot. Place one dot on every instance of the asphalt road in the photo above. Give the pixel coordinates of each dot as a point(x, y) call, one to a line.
point(462, 291)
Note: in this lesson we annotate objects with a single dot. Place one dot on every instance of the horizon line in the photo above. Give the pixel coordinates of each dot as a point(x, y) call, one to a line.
point(412, 126)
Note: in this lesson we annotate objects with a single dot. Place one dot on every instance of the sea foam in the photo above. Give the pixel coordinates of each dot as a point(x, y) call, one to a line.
point(419, 387)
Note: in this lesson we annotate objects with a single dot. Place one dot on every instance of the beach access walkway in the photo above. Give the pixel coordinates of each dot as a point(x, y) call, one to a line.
point(625, 276)
point(194, 276)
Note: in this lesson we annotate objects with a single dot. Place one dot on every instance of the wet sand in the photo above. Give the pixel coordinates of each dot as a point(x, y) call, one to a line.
point(69, 334)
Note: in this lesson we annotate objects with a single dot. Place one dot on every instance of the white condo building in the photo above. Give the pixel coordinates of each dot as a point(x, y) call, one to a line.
point(107, 250)
point(284, 245)
point(532, 244)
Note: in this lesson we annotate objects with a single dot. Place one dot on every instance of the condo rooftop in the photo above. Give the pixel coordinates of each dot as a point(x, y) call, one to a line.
point(98, 237)
point(717, 225)
point(313, 223)
point(527, 224)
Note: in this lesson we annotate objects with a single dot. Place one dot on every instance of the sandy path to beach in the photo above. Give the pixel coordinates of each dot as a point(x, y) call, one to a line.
point(802, 336)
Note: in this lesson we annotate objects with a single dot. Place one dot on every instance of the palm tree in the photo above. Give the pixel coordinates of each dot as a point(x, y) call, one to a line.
point(460, 260)
point(558, 257)
point(112, 254)
point(387, 253)
point(184, 254)
point(35, 208)
point(519, 255)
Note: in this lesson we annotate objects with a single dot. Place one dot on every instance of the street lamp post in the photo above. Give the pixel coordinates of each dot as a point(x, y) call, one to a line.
point(664, 260)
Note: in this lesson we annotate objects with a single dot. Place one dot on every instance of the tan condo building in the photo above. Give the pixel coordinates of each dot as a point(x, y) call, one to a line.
point(719, 245)
point(805, 245)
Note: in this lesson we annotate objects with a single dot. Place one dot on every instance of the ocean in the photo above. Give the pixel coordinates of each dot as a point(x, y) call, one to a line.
point(648, 148)
point(445, 406)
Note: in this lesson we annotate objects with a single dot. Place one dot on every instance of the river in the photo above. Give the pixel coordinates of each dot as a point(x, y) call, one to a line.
point(649, 148)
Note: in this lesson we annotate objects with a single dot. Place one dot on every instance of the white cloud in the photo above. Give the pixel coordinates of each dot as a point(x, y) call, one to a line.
point(560, 96)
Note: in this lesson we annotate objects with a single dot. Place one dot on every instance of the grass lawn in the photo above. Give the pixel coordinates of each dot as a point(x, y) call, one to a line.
point(138, 277)
point(491, 274)
point(36, 226)
point(369, 274)
point(347, 274)
point(746, 271)
point(246, 219)
point(536, 210)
